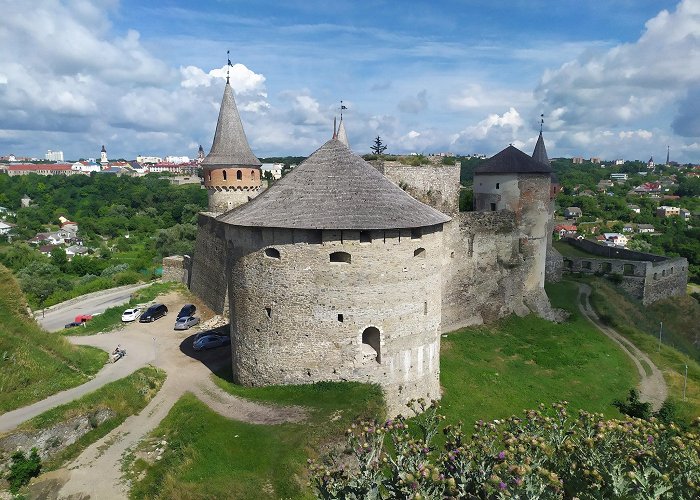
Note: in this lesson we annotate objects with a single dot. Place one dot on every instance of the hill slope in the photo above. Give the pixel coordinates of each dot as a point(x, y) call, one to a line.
point(33, 363)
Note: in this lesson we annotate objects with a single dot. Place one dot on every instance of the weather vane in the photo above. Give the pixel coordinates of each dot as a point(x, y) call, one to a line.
point(228, 56)
point(541, 122)
point(342, 107)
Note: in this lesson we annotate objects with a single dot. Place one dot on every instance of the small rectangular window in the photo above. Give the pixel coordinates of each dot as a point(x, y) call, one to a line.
point(493, 207)
point(498, 185)
point(365, 237)
point(340, 318)
point(425, 308)
point(416, 233)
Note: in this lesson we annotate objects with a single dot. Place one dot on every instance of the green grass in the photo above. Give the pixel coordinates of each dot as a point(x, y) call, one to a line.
point(35, 364)
point(127, 396)
point(112, 317)
point(681, 319)
point(209, 456)
point(497, 370)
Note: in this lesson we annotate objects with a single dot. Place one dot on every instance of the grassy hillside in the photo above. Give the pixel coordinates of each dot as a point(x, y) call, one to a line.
point(640, 324)
point(33, 363)
point(493, 371)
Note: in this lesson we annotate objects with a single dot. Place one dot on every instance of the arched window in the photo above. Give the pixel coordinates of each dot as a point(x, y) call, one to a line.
point(252, 174)
point(370, 337)
point(343, 257)
point(224, 174)
point(419, 252)
point(239, 175)
point(210, 176)
point(273, 253)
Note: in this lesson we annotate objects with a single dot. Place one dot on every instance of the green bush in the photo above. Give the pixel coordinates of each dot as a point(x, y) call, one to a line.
point(23, 468)
point(545, 454)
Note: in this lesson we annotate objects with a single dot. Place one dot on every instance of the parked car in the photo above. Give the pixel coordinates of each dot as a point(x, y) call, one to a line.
point(187, 310)
point(82, 318)
point(210, 341)
point(73, 324)
point(131, 314)
point(153, 313)
point(186, 322)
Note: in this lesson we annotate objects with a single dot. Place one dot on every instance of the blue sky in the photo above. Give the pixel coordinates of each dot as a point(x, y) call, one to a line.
point(616, 79)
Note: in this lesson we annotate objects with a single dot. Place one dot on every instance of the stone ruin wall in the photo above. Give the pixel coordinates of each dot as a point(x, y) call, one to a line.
point(208, 277)
point(285, 322)
point(437, 186)
point(177, 268)
point(647, 277)
point(483, 273)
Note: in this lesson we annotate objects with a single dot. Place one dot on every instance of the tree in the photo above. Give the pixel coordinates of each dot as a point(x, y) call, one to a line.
point(59, 258)
point(378, 147)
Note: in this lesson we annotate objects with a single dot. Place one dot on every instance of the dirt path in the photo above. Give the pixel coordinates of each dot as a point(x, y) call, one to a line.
point(652, 386)
point(96, 473)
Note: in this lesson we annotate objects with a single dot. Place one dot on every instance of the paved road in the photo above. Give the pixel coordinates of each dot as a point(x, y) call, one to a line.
point(61, 314)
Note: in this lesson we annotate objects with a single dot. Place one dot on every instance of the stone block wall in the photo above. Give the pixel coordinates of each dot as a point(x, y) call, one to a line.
point(554, 265)
point(483, 272)
point(208, 276)
point(666, 279)
point(176, 268)
point(302, 300)
point(437, 186)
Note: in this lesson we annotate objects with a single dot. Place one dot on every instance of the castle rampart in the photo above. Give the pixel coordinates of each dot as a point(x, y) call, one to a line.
point(208, 278)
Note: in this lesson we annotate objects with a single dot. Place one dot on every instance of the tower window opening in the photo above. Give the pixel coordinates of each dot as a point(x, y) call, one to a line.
point(224, 174)
point(340, 318)
point(273, 253)
point(498, 185)
point(416, 233)
point(493, 207)
point(252, 174)
point(365, 237)
point(370, 337)
point(343, 257)
point(209, 175)
point(239, 175)
point(425, 308)
point(268, 312)
point(419, 252)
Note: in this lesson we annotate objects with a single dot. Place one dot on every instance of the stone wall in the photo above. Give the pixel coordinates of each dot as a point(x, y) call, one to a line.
point(612, 252)
point(177, 268)
point(554, 265)
point(299, 310)
point(482, 269)
point(644, 280)
point(208, 276)
point(437, 186)
point(223, 199)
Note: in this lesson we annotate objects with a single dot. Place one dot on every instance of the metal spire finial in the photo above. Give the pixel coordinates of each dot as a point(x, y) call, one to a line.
point(228, 57)
point(541, 122)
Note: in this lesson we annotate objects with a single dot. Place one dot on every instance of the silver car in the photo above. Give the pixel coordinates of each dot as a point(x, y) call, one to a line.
point(210, 341)
point(186, 322)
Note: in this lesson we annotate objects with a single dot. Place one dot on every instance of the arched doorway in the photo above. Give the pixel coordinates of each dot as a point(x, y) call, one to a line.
point(370, 337)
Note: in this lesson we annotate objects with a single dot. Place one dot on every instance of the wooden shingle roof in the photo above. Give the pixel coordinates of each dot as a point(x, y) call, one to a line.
point(512, 161)
point(334, 189)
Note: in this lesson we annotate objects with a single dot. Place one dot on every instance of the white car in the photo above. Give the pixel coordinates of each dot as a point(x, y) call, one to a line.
point(131, 315)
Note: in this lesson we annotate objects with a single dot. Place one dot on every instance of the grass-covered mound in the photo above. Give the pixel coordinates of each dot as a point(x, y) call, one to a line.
point(33, 363)
point(209, 456)
point(493, 371)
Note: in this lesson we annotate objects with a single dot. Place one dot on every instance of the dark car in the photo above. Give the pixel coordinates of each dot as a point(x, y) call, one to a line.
point(153, 313)
point(187, 310)
point(73, 324)
point(210, 341)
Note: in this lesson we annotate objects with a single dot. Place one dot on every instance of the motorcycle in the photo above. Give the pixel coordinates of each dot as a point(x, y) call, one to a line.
point(117, 354)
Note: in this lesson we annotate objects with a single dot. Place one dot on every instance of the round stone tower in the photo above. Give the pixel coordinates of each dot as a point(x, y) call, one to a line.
point(512, 180)
point(231, 170)
point(335, 274)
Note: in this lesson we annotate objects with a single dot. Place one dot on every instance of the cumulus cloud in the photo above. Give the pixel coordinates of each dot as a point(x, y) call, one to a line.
point(414, 104)
point(494, 129)
point(635, 82)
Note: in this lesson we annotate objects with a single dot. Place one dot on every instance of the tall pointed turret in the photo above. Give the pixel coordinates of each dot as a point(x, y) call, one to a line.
point(342, 135)
point(231, 170)
point(103, 156)
point(540, 152)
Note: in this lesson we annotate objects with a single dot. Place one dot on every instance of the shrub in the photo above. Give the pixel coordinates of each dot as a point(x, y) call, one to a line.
point(117, 268)
point(22, 469)
point(545, 454)
point(633, 407)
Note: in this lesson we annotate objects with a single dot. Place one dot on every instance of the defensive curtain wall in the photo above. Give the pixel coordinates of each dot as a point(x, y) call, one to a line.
point(645, 276)
point(483, 272)
point(208, 277)
point(311, 305)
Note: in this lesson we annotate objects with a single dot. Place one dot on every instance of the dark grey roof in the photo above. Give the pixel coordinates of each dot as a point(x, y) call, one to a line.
point(540, 152)
point(334, 189)
point(230, 146)
point(512, 161)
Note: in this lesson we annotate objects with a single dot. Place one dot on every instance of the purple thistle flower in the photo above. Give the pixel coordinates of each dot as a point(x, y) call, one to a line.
point(501, 455)
point(502, 485)
point(650, 439)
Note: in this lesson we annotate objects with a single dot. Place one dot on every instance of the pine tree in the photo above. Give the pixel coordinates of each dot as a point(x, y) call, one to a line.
point(378, 147)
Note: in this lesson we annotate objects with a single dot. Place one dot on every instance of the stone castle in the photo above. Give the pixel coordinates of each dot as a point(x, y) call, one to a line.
point(337, 273)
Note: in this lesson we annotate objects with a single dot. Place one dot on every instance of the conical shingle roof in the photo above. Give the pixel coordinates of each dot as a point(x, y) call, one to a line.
point(512, 161)
point(334, 189)
point(230, 146)
point(540, 152)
